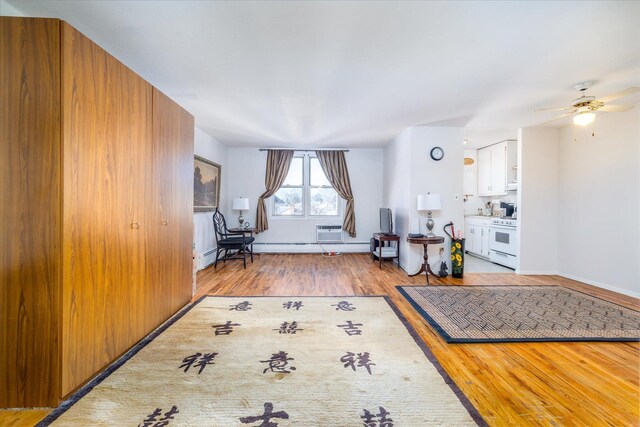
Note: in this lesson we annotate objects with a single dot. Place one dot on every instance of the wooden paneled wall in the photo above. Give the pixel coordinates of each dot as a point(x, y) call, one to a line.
point(97, 170)
point(30, 162)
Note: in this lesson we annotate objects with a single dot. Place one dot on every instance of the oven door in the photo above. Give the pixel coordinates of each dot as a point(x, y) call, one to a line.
point(503, 239)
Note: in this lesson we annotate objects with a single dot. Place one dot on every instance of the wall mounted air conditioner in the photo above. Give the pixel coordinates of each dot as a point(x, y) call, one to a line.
point(329, 234)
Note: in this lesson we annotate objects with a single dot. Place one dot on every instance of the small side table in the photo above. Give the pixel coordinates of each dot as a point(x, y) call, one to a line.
point(381, 238)
point(425, 241)
point(242, 230)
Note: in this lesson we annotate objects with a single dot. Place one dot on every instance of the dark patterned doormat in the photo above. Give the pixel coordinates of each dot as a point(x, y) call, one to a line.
point(477, 314)
point(275, 361)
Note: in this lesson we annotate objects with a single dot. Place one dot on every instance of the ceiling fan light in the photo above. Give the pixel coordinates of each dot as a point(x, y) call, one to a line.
point(583, 119)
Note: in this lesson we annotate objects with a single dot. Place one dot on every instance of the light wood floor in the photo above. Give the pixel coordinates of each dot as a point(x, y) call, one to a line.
point(511, 384)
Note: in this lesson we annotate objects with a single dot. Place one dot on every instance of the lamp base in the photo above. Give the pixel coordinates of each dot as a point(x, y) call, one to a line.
point(430, 225)
point(241, 220)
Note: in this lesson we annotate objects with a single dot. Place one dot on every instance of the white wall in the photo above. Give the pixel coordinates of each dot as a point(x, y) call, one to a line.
point(410, 171)
point(442, 177)
point(470, 184)
point(397, 188)
point(538, 200)
point(247, 180)
point(599, 203)
point(203, 235)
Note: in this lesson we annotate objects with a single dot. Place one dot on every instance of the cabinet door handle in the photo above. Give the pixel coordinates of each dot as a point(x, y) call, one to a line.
point(135, 225)
point(164, 221)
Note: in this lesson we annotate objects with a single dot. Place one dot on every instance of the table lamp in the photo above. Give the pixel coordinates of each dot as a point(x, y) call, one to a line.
point(429, 203)
point(241, 204)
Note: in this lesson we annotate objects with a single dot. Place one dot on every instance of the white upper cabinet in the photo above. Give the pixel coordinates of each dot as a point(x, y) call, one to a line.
point(484, 172)
point(493, 165)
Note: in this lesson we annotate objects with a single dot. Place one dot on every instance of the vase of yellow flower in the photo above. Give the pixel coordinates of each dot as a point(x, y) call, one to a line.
point(457, 252)
point(457, 258)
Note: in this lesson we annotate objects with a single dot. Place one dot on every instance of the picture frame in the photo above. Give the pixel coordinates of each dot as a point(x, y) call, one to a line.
point(206, 184)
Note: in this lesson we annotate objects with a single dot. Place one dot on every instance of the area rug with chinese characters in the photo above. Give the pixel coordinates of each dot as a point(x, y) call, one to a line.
point(275, 361)
point(475, 314)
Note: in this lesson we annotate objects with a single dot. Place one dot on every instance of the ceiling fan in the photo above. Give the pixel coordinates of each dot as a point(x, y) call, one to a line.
point(583, 108)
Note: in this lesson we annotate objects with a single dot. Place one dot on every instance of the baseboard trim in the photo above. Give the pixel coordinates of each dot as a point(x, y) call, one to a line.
point(600, 285)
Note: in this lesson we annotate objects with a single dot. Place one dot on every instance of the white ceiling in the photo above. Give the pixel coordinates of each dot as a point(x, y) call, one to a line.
point(356, 74)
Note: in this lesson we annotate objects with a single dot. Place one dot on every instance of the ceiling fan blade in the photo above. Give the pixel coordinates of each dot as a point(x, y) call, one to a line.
point(615, 108)
point(557, 117)
point(620, 94)
point(552, 109)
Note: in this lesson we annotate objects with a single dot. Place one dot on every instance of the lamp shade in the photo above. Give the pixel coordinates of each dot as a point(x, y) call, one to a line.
point(429, 202)
point(241, 204)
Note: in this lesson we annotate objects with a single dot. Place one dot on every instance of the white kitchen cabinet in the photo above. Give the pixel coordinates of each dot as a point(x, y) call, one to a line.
point(486, 238)
point(478, 237)
point(493, 163)
point(499, 168)
point(484, 172)
point(472, 238)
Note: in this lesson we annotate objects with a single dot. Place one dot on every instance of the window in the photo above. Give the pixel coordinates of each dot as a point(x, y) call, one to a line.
point(323, 199)
point(306, 191)
point(289, 199)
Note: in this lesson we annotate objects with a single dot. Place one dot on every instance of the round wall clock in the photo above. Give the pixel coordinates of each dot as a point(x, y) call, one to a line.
point(437, 153)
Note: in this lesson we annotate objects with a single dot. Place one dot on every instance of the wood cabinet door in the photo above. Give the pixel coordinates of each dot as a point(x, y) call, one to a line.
point(173, 133)
point(30, 197)
point(183, 177)
point(106, 119)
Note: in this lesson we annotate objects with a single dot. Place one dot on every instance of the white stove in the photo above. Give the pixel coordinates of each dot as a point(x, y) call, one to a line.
point(505, 222)
point(503, 245)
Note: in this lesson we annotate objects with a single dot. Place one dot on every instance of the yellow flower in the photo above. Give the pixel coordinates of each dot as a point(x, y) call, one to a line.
point(458, 245)
point(453, 257)
point(460, 264)
point(453, 249)
point(458, 258)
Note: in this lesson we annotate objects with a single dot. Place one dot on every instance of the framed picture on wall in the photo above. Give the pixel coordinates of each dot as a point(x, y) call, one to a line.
point(206, 185)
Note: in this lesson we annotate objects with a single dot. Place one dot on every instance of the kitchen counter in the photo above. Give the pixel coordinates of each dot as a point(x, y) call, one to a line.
point(487, 216)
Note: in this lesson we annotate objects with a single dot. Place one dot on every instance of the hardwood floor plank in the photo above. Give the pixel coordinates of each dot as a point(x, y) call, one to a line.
point(547, 383)
point(511, 384)
point(22, 418)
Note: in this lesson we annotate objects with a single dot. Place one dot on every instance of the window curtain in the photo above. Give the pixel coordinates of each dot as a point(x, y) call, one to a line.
point(335, 168)
point(278, 162)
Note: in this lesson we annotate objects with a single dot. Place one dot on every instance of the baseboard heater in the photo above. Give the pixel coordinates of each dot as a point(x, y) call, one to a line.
point(205, 255)
point(310, 243)
point(209, 252)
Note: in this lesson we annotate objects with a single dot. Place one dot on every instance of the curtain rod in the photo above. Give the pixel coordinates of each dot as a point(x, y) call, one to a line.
point(306, 149)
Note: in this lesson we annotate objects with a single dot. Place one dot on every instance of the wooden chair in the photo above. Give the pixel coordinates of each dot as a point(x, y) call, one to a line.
point(231, 241)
